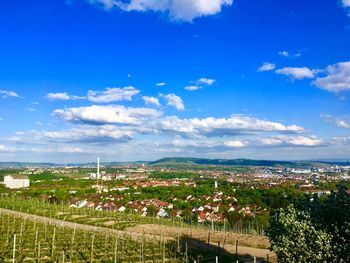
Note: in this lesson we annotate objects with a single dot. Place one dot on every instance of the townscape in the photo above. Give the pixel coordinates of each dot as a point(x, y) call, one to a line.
point(174, 131)
point(200, 195)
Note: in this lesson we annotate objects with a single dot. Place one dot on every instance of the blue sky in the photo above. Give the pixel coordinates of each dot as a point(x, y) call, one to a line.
point(145, 79)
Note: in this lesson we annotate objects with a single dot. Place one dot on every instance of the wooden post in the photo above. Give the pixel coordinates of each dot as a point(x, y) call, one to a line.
point(53, 242)
point(208, 240)
point(14, 249)
point(92, 248)
point(267, 258)
point(116, 250)
point(254, 259)
point(236, 250)
point(39, 258)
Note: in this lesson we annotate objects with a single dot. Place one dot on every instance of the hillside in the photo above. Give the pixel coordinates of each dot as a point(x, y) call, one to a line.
point(173, 161)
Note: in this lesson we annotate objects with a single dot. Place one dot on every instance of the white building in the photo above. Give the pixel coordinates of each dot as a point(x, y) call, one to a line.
point(16, 181)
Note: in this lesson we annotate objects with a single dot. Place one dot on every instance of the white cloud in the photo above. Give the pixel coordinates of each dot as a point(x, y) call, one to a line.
point(202, 144)
point(80, 134)
point(88, 134)
point(151, 100)
point(182, 10)
point(343, 124)
point(292, 141)
point(266, 66)
point(175, 101)
point(4, 148)
point(192, 87)
point(235, 125)
point(206, 81)
point(7, 93)
point(337, 78)
point(283, 53)
point(58, 96)
point(336, 121)
point(113, 94)
point(288, 54)
point(346, 3)
point(160, 84)
point(235, 144)
point(296, 73)
point(198, 84)
point(106, 114)
point(66, 149)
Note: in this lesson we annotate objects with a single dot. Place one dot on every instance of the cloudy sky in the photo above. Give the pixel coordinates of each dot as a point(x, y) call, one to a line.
point(144, 79)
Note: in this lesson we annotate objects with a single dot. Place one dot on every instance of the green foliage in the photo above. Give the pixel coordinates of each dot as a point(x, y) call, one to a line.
point(315, 230)
point(173, 175)
point(295, 240)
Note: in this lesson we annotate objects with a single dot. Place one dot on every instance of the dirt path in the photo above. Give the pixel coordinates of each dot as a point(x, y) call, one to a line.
point(154, 232)
point(248, 248)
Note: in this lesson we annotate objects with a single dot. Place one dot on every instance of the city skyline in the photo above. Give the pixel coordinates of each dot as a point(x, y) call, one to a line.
point(141, 80)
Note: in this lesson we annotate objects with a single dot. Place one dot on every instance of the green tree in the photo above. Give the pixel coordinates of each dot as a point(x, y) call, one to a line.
point(295, 240)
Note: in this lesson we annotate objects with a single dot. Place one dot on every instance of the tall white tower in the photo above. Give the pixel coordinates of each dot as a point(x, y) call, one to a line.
point(98, 168)
point(216, 184)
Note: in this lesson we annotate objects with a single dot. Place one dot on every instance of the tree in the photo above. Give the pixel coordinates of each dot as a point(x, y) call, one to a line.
point(152, 210)
point(314, 230)
point(295, 240)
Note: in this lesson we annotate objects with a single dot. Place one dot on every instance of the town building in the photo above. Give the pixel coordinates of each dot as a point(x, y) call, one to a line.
point(16, 181)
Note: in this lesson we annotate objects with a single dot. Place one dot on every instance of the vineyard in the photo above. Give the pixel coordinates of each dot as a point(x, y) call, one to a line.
point(86, 235)
point(32, 241)
point(113, 220)
point(87, 216)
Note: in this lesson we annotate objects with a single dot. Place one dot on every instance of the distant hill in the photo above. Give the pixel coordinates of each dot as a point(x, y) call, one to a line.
point(173, 161)
point(25, 164)
point(184, 161)
point(19, 165)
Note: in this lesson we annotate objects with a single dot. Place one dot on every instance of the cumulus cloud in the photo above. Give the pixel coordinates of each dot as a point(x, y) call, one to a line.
point(7, 93)
point(58, 96)
point(175, 101)
point(181, 10)
point(151, 100)
point(339, 122)
point(296, 73)
point(79, 134)
point(307, 141)
point(113, 114)
point(198, 84)
point(337, 78)
point(112, 94)
point(346, 3)
point(206, 81)
point(234, 125)
point(235, 144)
point(266, 66)
point(88, 133)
